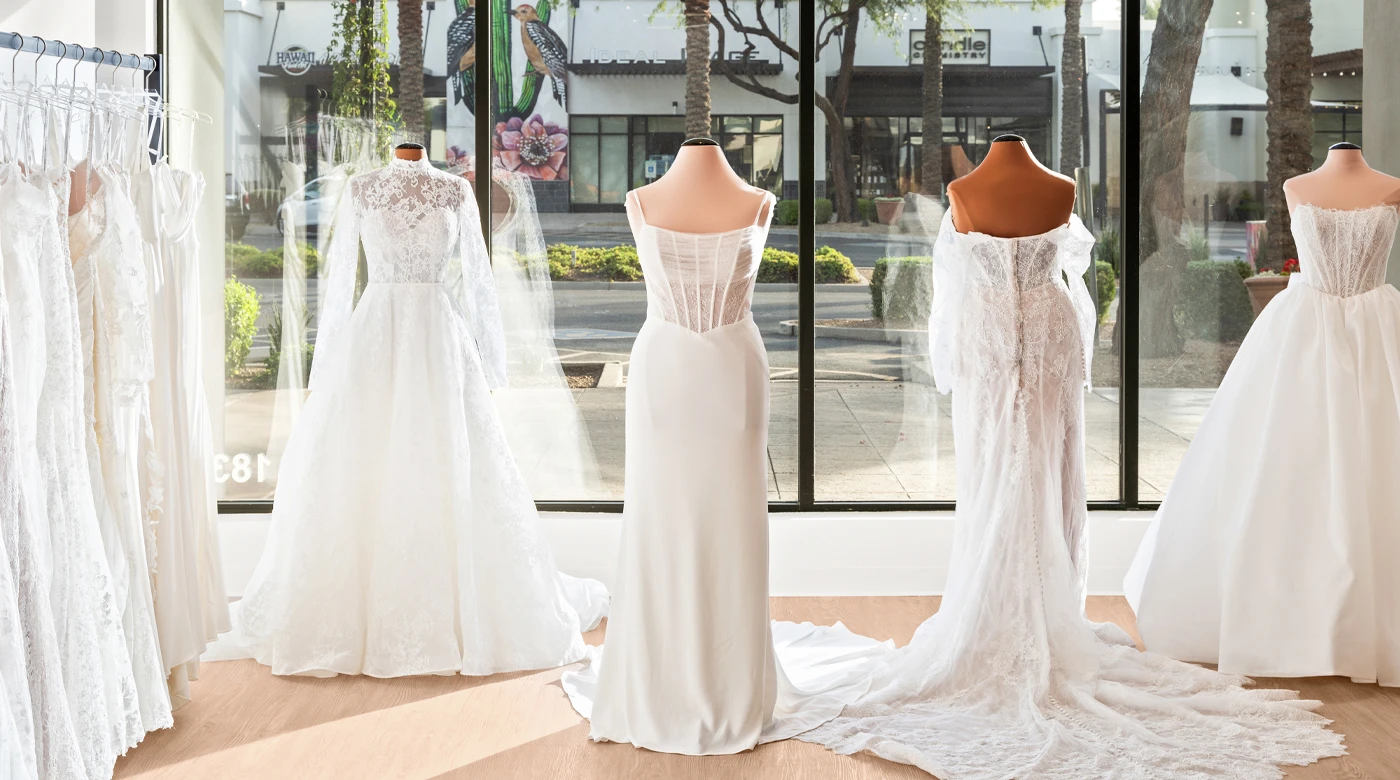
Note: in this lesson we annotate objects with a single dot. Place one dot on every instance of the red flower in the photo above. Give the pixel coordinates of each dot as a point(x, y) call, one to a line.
point(1290, 266)
point(536, 148)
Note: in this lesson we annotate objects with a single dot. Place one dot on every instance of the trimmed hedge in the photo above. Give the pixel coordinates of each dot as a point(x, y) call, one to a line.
point(250, 262)
point(1108, 286)
point(785, 212)
point(241, 307)
point(1213, 303)
point(901, 291)
point(865, 209)
point(568, 262)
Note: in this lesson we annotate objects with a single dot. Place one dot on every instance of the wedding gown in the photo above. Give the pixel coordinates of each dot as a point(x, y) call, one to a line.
point(1274, 551)
point(81, 681)
point(403, 539)
point(691, 663)
point(1008, 678)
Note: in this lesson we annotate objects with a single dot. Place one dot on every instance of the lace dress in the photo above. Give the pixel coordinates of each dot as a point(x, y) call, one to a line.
point(81, 680)
point(403, 538)
point(692, 664)
point(1008, 678)
point(1274, 551)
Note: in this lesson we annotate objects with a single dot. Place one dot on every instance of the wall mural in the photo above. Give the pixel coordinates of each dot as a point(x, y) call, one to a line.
point(531, 125)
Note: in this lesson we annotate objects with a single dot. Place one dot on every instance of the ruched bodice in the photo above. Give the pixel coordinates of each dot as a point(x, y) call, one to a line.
point(1344, 252)
point(409, 221)
point(699, 281)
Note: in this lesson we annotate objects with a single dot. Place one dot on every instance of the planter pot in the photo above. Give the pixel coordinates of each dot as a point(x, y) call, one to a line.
point(889, 211)
point(1262, 289)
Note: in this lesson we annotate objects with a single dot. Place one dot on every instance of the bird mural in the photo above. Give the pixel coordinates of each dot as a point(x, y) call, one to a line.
point(461, 55)
point(544, 49)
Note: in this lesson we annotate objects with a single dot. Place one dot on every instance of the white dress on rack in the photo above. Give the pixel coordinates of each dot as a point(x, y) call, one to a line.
point(1008, 678)
point(403, 538)
point(1274, 552)
point(81, 679)
point(114, 309)
point(692, 663)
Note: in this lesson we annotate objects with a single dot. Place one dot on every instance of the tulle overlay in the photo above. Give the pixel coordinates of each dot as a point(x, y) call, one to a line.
point(403, 539)
point(1008, 678)
point(1274, 551)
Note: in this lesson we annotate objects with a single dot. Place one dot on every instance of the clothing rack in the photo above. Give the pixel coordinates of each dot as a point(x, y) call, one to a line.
point(153, 75)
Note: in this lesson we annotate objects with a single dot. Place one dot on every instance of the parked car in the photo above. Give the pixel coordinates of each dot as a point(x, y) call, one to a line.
point(307, 208)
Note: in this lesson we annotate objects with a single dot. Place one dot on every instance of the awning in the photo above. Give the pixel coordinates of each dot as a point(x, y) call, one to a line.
point(897, 90)
point(1218, 92)
point(672, 68)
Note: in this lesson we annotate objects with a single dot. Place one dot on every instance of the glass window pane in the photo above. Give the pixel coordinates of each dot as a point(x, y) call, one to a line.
point(769, 124)
point(737, 124)
point(583, 173)
point(612, 168)
point(666, 124)
point(613, 124)
point(584, 124)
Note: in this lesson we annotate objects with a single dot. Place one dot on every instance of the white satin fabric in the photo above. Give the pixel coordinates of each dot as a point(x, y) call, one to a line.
point(1008, 679)
point(1274, 551)
point(403, 538)
point(691, 662)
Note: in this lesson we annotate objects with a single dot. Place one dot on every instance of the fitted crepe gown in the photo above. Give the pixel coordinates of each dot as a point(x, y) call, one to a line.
point(692, 663)
point(1274, 551)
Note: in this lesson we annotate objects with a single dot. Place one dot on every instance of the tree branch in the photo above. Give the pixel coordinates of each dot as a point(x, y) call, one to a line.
point(750, 83)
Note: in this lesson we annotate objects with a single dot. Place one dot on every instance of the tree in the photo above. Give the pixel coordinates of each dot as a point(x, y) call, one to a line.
point(931, 151)
point(697, 68)
point(1072, 91)
point(360, 68)
point(411, 65)
point(1166, 113)
point(1288, 75)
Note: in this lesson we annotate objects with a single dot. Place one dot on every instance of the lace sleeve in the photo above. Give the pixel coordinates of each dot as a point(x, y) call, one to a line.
point(948, 271)
point(475, 288)
point(1076, 252)
point(337, 286)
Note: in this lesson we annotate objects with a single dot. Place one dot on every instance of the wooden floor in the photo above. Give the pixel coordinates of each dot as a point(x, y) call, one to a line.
point(245, 723)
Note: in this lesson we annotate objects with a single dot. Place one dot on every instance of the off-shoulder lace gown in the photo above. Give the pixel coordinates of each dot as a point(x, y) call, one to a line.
point(1275, 551)
point(1008, 679)
point(691, 663)
point(403, 538)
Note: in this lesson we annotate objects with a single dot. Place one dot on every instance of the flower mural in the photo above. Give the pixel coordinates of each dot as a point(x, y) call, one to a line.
point(533, 147)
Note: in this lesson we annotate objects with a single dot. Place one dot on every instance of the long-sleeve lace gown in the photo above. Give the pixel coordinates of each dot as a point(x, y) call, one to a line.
point(1008, 678)
point(403, 539)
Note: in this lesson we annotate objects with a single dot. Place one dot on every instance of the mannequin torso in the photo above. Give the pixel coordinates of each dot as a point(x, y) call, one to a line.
point(1010, 194)
point(1344, 181)
point(700, 194)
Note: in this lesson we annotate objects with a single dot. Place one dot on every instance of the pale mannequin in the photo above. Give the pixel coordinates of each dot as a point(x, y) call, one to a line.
point(1010, 194)
point(1344, 181)
point(700, 194)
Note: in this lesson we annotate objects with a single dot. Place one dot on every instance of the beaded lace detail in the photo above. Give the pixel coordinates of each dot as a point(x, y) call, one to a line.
point(1344, 252)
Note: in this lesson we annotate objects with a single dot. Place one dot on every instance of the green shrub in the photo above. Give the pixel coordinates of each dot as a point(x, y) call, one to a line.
point(777, 265)
point(865, 209)
point(250, 262)
point(590, 263)
point(901, 291)
point(274, 348)
point(834, 267)
point(241, 305)
point(1197, 245)
point(1107, 281)
point(823, 208)
point(785, 212)
point(1107, 249)
point(1213, 303)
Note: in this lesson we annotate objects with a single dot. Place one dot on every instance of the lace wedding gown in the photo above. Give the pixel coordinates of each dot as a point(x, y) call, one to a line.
point(403, 538)
point(691, 662)
point(1008, 678)
point(1274, 551)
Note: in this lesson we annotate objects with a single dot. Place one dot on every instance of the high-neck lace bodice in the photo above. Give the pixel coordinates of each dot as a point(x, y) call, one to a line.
point(699, 281)
point(1344, 252)
point(409, 220)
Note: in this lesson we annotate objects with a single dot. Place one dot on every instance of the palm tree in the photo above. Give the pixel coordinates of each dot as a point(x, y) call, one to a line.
point(697, 68)
point(1288, 75)
point(931, 152)
point(411, 66)
point(1072, 91)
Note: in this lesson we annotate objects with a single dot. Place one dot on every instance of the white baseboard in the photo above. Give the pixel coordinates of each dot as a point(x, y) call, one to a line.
point(812, 554)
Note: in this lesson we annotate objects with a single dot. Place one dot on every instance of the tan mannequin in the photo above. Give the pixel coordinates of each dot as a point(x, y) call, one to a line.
point(410, 152)
point(1011, 195)
point(700, 194)
point(1343, 181)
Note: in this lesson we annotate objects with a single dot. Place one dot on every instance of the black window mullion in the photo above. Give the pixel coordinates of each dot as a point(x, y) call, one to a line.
point(1129, 146)
point(484, 90)
point(806, 251)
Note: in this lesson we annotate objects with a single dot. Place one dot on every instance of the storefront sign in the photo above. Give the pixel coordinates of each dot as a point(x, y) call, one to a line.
point(295, 61)
point(632, 56)
point(960, 47)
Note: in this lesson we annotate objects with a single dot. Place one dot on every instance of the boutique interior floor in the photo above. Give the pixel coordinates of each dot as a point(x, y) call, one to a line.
point(245, 723)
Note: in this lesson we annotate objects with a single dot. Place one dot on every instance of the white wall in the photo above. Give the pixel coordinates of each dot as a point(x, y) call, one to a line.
point(123, 25)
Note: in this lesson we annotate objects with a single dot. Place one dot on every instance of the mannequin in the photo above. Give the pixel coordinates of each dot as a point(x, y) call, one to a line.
point(410, 152)
point(1343, 181)
point(700, 193)
point(1010, 194)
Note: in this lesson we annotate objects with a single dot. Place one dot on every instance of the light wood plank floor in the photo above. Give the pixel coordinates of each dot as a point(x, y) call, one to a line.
point(245, 723)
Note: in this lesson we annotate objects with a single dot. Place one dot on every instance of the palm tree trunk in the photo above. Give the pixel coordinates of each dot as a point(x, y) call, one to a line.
point(1166, 114)
point(411, 66)
point(1072, 91)
point(931, 151)
point(697, 68)
point(1288, 74)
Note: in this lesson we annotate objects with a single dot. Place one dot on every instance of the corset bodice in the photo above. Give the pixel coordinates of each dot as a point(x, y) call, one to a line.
point(1344, 252)
point(1019, 264)
point(699, 281)
point(408, 215)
